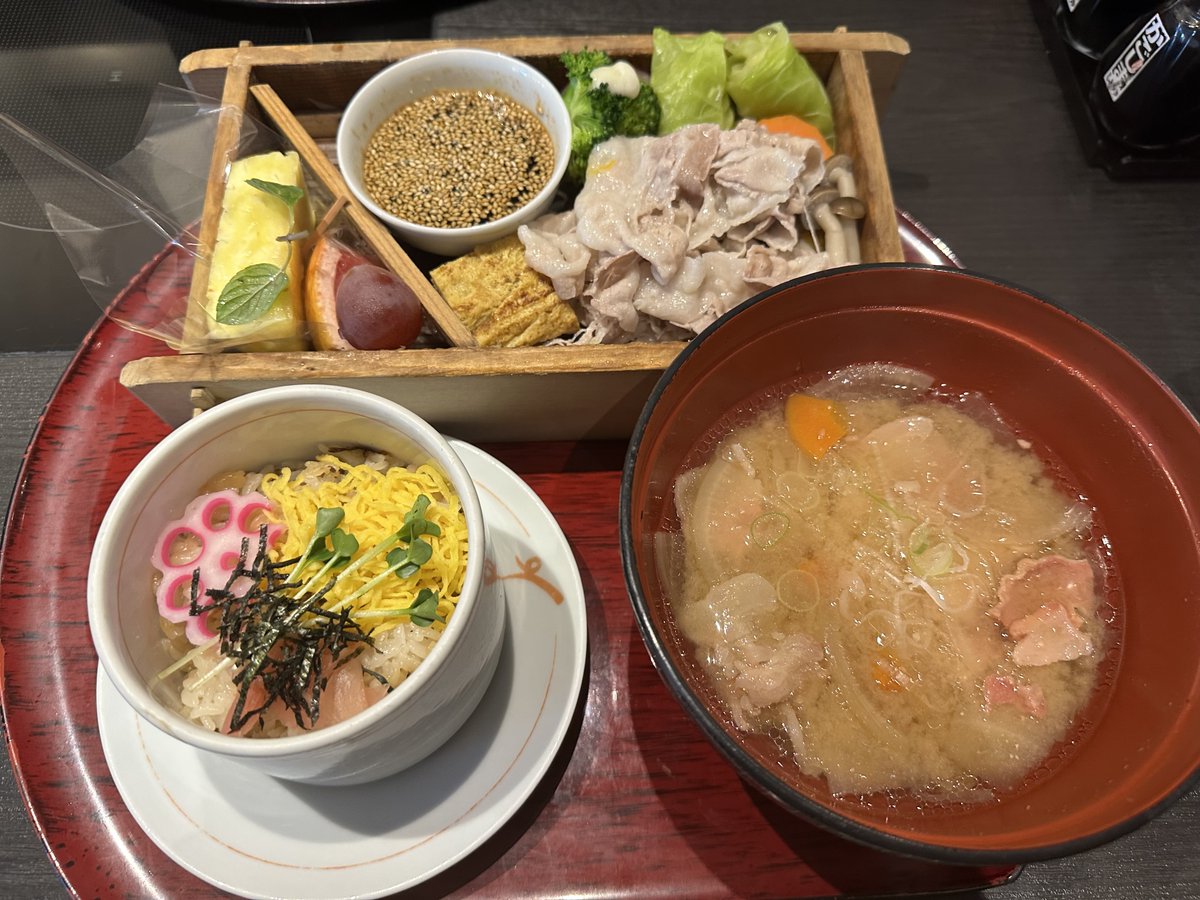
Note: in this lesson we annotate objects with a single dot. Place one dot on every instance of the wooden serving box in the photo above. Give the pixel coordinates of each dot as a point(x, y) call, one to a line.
point(493, 394)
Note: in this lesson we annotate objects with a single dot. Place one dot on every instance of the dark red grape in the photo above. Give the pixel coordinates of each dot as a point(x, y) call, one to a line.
point(376, 310)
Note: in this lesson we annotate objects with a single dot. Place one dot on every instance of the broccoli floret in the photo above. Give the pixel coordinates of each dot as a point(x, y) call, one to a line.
point(597, 113)
point(640, 115)
point(594, 112)
point(580, 65)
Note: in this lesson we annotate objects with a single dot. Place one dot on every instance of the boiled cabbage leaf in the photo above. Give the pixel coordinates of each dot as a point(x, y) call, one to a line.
point(768, 77)
point(688, 74)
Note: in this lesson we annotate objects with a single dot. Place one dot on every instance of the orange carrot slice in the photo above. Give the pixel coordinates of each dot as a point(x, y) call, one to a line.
point(815, 425)
point(888, 674)
point(797, 126)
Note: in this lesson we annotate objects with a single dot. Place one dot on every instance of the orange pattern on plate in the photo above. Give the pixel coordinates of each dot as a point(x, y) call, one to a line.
point(527, 570)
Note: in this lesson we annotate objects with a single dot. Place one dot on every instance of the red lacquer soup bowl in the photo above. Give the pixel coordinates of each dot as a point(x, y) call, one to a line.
point(1130, 447)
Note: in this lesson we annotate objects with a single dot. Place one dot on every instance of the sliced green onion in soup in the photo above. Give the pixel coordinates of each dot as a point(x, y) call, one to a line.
point(768, 529)
point(928, 555)
point(919, 540)
point(963, 492)
point(953, 594)
point(906, 602)
point(963, 560)
point(933, 593)
point(798, 590)
point(888, 627)
point(799, 491)
point(960, 592)
point(934, 561)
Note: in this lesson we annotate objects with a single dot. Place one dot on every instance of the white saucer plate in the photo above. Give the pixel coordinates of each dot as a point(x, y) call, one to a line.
point(256, 836)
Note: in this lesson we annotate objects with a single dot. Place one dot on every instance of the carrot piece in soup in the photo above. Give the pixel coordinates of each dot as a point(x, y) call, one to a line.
point(888, 674)
point(797, 126)
point(815, 425)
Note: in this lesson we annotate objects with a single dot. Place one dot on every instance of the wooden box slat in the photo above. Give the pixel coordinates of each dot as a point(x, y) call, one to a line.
point(229, 124)
point(491, 394)
point(527, 393)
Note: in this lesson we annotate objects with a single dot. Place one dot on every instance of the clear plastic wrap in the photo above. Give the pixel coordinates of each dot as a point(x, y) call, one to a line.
point(112, 223)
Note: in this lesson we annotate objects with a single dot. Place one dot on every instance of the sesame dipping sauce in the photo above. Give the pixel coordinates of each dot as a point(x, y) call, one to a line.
point(458, 158)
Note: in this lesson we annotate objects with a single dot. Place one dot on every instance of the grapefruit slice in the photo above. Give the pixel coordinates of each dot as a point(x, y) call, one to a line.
point(328, 264)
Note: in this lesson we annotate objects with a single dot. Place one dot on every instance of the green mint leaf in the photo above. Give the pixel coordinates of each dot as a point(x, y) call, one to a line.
point(250, 293)
point(288, 193)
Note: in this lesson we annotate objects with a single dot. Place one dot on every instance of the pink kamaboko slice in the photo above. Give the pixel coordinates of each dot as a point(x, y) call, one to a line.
point(208, 537)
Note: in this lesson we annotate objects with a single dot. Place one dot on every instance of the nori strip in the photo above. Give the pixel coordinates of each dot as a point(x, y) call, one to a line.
point(271, 635)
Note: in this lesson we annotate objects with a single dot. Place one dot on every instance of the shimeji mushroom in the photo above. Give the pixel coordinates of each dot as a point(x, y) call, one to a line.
point(835, 238)
point(834, 206)
point(840, 171)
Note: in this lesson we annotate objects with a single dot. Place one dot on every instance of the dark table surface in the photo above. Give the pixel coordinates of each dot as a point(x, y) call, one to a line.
point(980, 148)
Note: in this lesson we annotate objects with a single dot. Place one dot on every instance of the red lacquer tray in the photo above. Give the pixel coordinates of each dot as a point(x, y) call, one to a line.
point(637, 802)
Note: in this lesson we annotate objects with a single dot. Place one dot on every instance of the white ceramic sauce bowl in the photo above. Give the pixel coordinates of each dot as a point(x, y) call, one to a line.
point(455, 69)
point(263, 430)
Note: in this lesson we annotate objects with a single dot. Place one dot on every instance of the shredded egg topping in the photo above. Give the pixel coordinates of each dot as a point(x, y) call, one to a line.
point(375, 503)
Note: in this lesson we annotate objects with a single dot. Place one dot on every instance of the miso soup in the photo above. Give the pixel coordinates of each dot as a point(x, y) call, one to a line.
point(892, 584)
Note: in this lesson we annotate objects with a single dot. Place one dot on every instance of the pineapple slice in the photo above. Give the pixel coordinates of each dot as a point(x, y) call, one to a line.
point(251, 221)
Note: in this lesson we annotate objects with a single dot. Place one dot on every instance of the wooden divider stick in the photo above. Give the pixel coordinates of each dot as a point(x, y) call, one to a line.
point(372, 230)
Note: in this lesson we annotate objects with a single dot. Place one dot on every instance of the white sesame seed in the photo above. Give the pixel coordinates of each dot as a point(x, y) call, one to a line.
point(458, 158)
